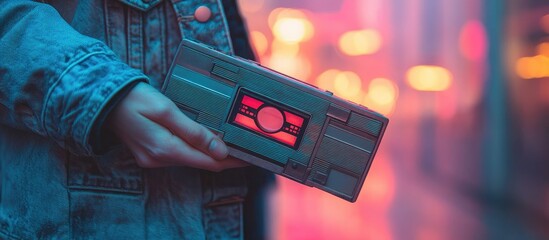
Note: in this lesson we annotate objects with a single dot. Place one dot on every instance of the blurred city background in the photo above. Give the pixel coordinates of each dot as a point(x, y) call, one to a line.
point(465, 84)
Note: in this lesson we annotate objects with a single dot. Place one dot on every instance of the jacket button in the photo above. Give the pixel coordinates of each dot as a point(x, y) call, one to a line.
point(202, 14)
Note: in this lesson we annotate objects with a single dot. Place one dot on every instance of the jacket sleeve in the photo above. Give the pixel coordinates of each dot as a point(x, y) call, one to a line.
point(53, 80)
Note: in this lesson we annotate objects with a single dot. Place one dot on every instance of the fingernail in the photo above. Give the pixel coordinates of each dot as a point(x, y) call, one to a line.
point(217, 149)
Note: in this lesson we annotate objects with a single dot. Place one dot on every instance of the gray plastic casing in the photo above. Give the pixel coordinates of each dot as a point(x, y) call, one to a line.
point(336, 147)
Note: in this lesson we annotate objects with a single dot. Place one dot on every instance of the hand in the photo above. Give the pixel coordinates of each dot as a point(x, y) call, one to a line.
point(159, 134)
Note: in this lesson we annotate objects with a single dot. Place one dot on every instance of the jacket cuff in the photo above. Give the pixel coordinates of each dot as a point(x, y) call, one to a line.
point(75, 101)
point(102, 138)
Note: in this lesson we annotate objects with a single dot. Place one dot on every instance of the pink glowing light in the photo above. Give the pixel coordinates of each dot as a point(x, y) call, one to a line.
point(472, 41)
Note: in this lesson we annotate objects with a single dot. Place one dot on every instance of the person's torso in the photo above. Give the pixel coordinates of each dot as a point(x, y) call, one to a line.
point(49, 193)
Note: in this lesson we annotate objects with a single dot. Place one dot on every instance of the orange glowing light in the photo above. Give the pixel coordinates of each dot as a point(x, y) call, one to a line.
point(344, 84)
point(472, 41)
point(542, 65)
point(382, 91)
point(290, 25)
point(523, 68)
point(326, 79)
point(545, 23)
point(285, 48)
point(260, 42)
point(293, 30)
point(347, 84)
point(533, 67)
point(381, 96)
point(543, 49)
point(295, 66)
point(429, 78)
point(361, 42)
point(279, 13)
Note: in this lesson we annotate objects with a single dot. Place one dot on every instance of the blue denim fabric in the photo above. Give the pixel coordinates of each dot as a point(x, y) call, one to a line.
point(60, 67)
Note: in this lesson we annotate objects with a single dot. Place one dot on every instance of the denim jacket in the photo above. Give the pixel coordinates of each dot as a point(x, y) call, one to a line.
point(63, 64)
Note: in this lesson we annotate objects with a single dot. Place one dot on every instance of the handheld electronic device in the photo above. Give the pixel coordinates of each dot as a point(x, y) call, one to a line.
point(276, 122)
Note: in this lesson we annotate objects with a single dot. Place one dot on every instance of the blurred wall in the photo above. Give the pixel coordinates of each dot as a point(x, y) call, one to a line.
point(464, 155)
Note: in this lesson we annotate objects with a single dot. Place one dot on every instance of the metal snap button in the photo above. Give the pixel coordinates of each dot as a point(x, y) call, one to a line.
point(202, 14)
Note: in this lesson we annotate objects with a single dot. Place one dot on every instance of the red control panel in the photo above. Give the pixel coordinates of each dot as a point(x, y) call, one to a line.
point(269, 119)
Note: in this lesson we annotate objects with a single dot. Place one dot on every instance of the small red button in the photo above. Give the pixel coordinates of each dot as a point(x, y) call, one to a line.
point(270, 119)
point(202, 14)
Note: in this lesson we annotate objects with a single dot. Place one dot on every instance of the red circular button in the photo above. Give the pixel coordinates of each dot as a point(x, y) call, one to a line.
point(202, 14)
point(270, 119)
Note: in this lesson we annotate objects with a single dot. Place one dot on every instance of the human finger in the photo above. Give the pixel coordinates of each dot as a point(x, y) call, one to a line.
point(192, 132)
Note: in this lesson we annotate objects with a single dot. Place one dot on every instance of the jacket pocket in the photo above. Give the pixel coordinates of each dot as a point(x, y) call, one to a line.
point(106, 197)
point(143, 5)
point(223, 219)
point(223, 195)
point(115, 171)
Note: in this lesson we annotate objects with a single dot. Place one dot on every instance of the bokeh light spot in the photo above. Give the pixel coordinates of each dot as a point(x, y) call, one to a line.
point(382, 91)
point(472, 41)
point(429, 78)
point(347, 84)
point(284, 48)
point(294, 66)
point(362, 42)
point(543, 49)
point(290, 25)
point(260, 42)
point(279, 13)
point(533, 67)
point(381, 96)
point(326, 79)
